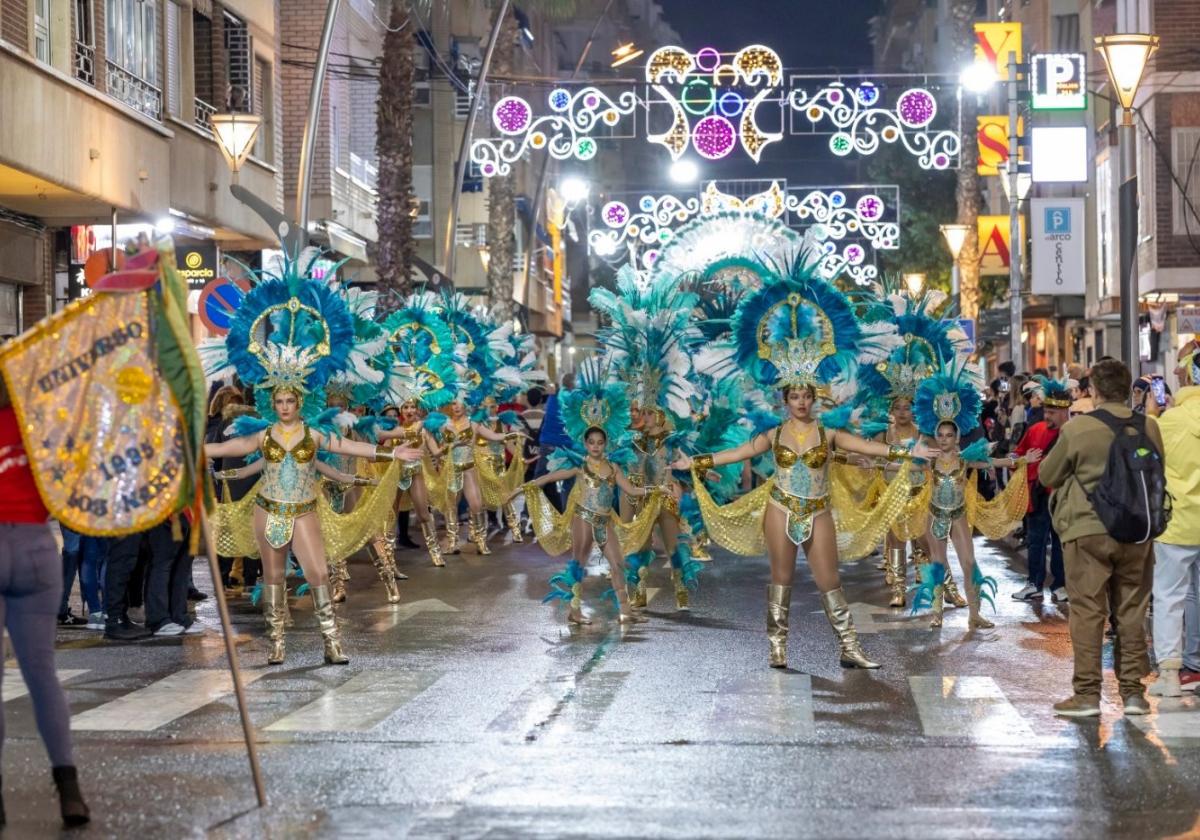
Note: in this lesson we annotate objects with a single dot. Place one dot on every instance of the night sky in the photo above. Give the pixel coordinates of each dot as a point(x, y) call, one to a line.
point(812, 37)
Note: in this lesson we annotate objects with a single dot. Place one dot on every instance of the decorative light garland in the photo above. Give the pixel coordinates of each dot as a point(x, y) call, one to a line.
point(563, 134)
point(857, 121)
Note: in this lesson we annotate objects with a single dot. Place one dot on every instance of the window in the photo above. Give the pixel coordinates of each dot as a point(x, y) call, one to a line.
point(421, 93)
point(1065, 33)
point(264, 104)
point(41, 30)
point(1185, 161)
point(202, 62)
point(1106, 226)
point(132, 42)
point(174, 61)
point(85, 42)
point(239, 57)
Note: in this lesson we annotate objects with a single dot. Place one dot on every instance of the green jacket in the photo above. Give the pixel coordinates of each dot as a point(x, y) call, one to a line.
point(1180, 427)
point(1074, 466)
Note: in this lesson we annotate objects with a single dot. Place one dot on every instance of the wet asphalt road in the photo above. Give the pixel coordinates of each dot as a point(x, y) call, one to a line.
point(471, 710)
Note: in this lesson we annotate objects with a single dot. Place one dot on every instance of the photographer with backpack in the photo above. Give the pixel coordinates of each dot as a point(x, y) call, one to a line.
point(1109, 505)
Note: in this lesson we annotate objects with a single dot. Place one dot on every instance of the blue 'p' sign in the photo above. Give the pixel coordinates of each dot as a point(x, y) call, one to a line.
point(1058, 220)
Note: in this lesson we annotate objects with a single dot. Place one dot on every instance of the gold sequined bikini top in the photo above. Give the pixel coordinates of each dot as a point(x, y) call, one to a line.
point(460, 436)
point(411, 435)
point(594, 480)
point(303, 452)
point(814, 458)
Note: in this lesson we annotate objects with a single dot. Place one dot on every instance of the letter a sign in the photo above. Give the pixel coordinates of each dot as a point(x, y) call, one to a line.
point(993, 43)
point(995, 244)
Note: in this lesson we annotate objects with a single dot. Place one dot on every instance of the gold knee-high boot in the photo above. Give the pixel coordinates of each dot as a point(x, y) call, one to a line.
point(700, 543)
point(429, 532)
point(384, 552)
point(779, 604)
point(838, 613)
point(478, 531)
point(953, 597)
point(682, 601)
point(452, 534)
point(514, 522)
point(274, 601)
point(323, 607)
point(939, 606)
point(896, 576)
point(338, 575)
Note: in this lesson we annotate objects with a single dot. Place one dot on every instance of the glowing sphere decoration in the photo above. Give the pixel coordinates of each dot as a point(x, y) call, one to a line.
point(869, 208)
point(560, 100)
point(512, 115)
point(615, 213)
point(916, 108)
point(714, 137)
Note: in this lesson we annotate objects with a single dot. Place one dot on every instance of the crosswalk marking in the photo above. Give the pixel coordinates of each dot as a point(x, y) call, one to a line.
point(161, 702)
point(972, 708)
point(14, 683)
point(1173, 720)
point(359, 704)
point(399, 613)
point(766, 704)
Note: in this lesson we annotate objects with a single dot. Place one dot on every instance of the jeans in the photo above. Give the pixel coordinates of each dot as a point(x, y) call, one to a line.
point(29, 594)
point(1040, 531)
point(1175, 571)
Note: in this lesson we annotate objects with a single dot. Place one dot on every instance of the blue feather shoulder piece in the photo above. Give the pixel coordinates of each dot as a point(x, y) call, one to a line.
point(247, 424)
point(323, 422)
point(435, 421)
point(509, 417)
point(977, 451)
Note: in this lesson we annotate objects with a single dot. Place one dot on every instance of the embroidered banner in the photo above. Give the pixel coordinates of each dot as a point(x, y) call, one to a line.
point(102, 430)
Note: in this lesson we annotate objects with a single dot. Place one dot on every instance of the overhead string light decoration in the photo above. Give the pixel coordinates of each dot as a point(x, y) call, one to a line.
point(627, 231)
point(565, 133)
point(861, 124)
point(725, 97)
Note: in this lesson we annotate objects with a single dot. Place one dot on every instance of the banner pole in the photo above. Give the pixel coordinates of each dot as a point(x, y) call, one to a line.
point(235, 671)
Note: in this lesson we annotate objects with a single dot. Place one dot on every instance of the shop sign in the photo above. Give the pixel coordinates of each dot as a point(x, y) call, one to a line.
point(1057, 246)
point(992, 136)
point(995, 244)
point(1059, 82)
point(197, 264)
point(993, 43)
point(1187, 319)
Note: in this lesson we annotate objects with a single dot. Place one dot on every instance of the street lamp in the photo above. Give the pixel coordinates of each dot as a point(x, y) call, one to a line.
point(235, 136)
point(684, 171)
point(573, 190)
point(978, 77)
point(915, 283)
point(956, 238)
point(1125, 56)
point(1024, 183)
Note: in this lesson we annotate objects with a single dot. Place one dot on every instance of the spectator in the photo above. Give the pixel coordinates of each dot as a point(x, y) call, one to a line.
point(1039, 529)
point(1177, 553)
point(165, 586)
point(30, 581)
point(1034, 395)
point(83, 555)
point(71, 554)
point(1097, 566)
point(1083, 404)
point(226, 406)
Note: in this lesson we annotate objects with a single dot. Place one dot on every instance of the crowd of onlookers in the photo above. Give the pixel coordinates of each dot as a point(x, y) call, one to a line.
point(1110, 582)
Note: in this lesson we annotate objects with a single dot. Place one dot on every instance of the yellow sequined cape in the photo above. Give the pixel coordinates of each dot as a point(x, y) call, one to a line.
point(343, 533)
point(553, 529)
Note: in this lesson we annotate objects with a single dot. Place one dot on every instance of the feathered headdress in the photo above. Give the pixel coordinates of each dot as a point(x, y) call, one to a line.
point(927, 339)
point(1056, 393)
point(949, 394)
point(426, 357)
point(736, 248)
point(597, 401)
point(799, 329)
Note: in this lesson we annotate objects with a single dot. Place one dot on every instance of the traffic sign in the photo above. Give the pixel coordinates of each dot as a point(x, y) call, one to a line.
point(1059, 82)
point(967, 325)
point(219, 300)
point(1188, 319)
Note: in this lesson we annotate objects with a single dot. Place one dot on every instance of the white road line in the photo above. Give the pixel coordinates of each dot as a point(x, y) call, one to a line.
point(14, 683)
point(399, 613)
point(359, 704)
point(769, 704)
point(1173, 720)
point(161, 702)
point(971, 708)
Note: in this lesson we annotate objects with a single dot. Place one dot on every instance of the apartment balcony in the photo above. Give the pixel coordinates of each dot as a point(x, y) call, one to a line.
point(84, 65)
point(135, 92)
point(203, 116)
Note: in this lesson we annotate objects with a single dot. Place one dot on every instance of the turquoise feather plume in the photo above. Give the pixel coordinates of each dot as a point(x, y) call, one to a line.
point(985, 585)
point(929, 577)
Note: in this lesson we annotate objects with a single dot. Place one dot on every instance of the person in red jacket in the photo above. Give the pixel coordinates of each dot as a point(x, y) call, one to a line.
point(31, 583)
point(1056, 403)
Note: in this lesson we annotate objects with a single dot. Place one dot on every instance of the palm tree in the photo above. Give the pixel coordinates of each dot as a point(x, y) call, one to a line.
point(962, 13)
point(395, 248)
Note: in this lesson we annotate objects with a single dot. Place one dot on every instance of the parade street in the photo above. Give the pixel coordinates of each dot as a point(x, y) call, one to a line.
point(471, 710)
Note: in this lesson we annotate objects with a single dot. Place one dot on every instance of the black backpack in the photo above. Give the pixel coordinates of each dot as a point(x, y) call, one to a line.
point(1131, 497)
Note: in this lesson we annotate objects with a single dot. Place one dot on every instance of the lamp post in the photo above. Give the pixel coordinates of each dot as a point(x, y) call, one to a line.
point(915, 283)
point(235, 137)
point(955, 236)
point(1125, 56)
point(1013, 191)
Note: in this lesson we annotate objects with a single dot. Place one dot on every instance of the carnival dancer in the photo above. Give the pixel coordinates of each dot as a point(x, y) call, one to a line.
point(927, 339)
point(594, 413)
point(800, 334)
point(649, 346)
point(290, 335)
point(946, 405)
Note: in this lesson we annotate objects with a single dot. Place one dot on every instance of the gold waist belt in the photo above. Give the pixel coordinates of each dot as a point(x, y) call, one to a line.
point(797, 505)
point(292, 509)
point(591, 517)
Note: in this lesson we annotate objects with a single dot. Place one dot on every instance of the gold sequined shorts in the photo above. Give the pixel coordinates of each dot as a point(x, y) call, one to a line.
point(599, 523)
point(800, 512)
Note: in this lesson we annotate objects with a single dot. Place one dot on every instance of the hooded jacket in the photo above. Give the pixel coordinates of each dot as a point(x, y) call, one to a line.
point(1180, 427)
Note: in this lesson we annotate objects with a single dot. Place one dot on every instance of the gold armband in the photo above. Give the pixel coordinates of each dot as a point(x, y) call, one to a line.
point(898, 453)
point(702, 462)
point(359, 481)
point(225, 475)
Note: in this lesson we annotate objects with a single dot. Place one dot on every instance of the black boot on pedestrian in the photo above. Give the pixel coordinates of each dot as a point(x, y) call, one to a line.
point(70, 798)
point(402, 538)
point(195, 594)
point(125, 631)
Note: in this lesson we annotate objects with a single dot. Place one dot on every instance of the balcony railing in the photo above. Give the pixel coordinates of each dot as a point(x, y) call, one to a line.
point(364, 171)
point(135, 92)
point(85, 62)
point(204, 114)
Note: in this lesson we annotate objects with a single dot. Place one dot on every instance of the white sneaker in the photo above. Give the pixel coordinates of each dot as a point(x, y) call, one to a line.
point(169, 629)
point(194, 629)
point(1028, 593)
point(1059, 596)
